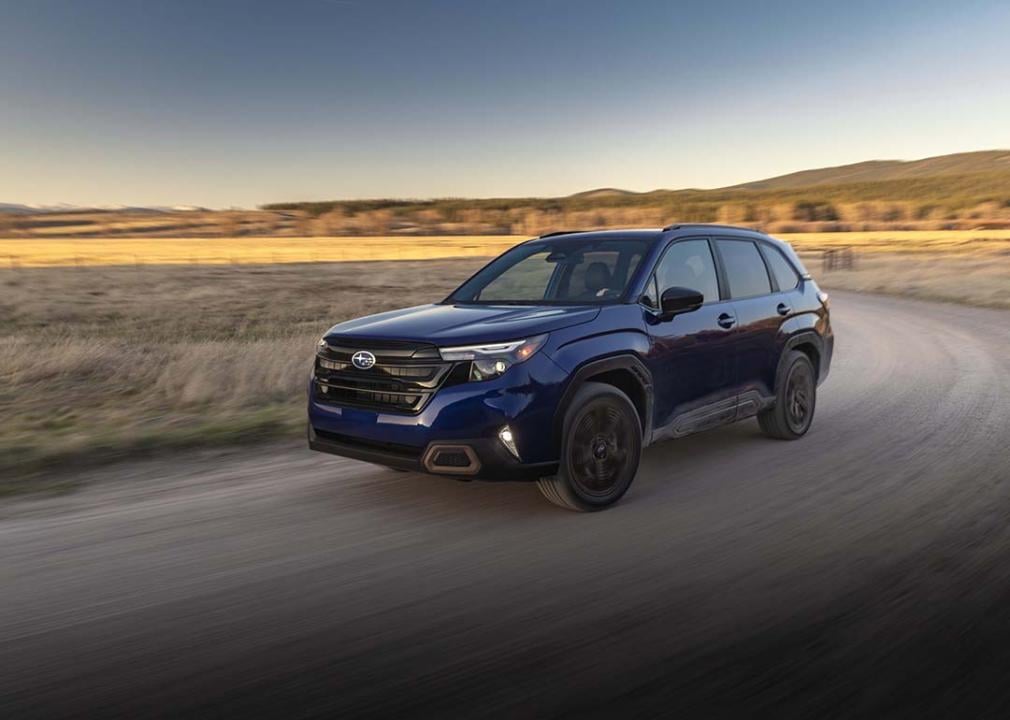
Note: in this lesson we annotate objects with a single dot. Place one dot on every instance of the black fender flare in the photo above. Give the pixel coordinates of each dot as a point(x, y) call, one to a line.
point(624, 361)
point(804, 337)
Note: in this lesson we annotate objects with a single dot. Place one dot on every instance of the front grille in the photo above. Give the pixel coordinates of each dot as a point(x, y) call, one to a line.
point(403, 379)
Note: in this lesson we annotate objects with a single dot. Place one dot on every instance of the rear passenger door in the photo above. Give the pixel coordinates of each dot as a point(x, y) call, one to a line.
point(787, 294)
point(758, 312)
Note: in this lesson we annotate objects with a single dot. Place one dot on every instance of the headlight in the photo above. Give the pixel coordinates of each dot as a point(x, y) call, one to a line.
point(493, 359)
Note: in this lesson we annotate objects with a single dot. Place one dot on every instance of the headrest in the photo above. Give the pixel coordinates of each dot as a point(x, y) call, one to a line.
point(597, 277)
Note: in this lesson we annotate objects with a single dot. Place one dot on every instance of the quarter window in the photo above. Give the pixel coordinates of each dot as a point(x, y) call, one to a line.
point(650, 298)
point(783, 272)
point(689, 264)
point(745, 270)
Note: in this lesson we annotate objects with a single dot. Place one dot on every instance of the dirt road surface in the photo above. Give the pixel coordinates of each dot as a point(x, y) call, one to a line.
point(864, 570)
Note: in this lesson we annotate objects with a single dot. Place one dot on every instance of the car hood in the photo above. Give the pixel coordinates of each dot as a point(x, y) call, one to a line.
point(444, 325)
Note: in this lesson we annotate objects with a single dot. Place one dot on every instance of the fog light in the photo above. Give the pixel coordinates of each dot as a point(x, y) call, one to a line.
point(505, 435)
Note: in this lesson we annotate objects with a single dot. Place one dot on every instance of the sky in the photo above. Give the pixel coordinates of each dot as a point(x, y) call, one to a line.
point(226, 103)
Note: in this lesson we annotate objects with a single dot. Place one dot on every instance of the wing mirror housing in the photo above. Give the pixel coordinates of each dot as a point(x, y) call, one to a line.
point(677, 300)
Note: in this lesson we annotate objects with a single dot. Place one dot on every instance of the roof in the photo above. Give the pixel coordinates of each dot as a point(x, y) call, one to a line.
point(734, 230)
point(656, 233)
point(635, 234)
point(711, 226)
point(644, 234)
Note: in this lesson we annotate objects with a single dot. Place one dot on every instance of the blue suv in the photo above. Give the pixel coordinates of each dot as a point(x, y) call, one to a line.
point(564, 357)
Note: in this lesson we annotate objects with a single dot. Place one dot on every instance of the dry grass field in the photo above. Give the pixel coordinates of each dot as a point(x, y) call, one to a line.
point(49, 252)
point(46, 252)
point(982, 280)
point(100, 361)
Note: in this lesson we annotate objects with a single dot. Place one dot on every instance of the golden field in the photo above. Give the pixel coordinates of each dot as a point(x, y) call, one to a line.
point(51, 252)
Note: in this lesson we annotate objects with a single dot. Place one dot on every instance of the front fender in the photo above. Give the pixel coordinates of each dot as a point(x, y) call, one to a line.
point(590, 357)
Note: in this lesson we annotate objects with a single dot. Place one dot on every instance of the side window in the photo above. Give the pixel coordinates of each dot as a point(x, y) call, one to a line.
point(745, 270)
point(785, 275)
point(689, 264)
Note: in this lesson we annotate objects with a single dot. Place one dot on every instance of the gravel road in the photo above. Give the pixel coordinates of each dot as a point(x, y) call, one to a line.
point(862, 571)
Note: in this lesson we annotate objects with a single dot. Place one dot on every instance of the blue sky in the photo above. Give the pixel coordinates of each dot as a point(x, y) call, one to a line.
point(225, 102)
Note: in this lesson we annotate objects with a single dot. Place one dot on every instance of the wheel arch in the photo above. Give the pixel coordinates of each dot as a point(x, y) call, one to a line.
point(627, 373)
point(810, 344)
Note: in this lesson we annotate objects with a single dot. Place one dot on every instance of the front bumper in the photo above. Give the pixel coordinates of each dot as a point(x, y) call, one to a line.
point(493, 461)
point(466, 415)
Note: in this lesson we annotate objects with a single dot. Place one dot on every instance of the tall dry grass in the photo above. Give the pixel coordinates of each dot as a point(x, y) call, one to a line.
point(983, 281)
point(101, 363)
point(103, 251)
point(138, 251)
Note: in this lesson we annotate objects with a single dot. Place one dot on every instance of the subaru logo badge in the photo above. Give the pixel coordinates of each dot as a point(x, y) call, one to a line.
point(363, 360)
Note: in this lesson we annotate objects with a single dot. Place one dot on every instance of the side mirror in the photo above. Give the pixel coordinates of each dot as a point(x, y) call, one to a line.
point(677, 300)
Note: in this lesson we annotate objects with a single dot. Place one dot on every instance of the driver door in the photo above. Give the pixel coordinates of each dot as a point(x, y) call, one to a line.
point(691, 355)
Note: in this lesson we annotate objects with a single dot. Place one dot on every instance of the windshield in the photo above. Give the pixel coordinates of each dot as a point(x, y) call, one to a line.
point(562, 272)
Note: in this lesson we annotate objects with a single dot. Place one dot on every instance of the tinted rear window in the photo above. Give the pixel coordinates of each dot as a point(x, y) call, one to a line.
point(745, 270)
point(785, 276)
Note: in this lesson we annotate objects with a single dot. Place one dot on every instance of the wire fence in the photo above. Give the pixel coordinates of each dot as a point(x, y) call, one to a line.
point(843, 258)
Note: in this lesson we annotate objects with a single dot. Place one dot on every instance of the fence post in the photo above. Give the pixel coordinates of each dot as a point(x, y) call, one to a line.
point(838, 259)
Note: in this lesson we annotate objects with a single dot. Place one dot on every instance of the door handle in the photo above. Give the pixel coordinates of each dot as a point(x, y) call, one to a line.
point(726, 321)
point(783, 309)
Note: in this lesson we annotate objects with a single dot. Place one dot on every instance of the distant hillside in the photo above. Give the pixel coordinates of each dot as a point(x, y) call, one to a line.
point(965, 190)
point(602, 193)
point(971, 163)
point(954, 180)
point(15, 209)
point(962, 191)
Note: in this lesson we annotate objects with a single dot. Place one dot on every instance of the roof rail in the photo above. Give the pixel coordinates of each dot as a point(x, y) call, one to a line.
point(561, 232)
point(710, 225)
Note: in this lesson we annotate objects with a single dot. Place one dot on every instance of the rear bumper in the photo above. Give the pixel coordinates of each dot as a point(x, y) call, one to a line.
point(492, 461)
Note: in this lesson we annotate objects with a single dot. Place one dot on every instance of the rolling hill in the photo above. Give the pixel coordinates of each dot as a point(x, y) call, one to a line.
point(960, 191)
point(970, 163)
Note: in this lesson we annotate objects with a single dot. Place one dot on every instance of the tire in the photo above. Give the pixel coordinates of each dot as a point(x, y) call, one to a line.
point(795, 399)
point(601, 445)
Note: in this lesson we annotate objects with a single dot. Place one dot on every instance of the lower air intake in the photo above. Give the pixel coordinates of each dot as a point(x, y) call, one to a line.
point(451, 460)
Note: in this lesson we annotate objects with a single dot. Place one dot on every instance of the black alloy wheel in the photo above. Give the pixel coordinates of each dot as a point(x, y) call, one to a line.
point(799, 398)
point(795, 399)
point(600, 451)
